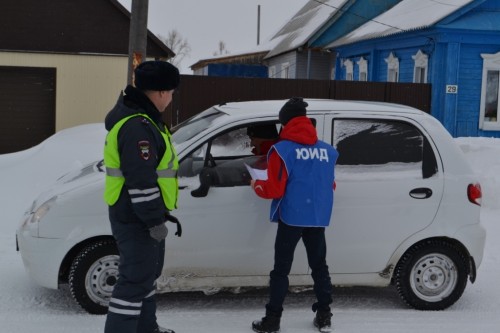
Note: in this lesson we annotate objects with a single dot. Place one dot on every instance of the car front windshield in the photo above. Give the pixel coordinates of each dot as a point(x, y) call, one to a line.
point(194, 125)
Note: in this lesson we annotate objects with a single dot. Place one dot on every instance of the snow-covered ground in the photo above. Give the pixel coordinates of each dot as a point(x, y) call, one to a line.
point(26, 307)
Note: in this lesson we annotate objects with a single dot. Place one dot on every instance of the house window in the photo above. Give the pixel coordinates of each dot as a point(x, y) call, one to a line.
point(272, 72)
point(363, 69)
point(420, 71)
point(392, 68)
point(348, 70)
point(490, 89)
point(285, 70)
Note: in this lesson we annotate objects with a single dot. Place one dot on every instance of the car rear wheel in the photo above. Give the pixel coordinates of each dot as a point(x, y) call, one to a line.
point(431, 275)
point(93, 275)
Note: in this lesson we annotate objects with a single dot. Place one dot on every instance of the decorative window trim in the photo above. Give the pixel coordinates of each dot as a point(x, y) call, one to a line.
point(491, 63)
point(271, 72)
point(421, 65)
point(349, 70)
point(363, 69)
point(392, 68)
point(333, 72)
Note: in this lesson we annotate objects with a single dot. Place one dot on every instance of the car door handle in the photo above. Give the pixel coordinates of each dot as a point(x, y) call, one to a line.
point(421, 193)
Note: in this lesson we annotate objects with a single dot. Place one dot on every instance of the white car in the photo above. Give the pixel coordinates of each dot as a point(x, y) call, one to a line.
point(406, 211)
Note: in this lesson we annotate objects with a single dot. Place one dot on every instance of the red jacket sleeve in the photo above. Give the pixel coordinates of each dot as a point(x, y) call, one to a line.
point(275, 185)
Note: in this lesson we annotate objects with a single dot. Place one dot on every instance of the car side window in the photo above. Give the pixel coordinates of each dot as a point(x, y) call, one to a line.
point(231, 144)
point(382, 146)
point(219, 162)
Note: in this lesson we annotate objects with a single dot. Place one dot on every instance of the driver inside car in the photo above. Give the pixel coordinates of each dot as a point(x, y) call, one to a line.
point(234, 173)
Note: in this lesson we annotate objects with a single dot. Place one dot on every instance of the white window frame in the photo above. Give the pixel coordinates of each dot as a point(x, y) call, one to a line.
point(491, 63)
point(363, 69)
point(332, 73)
point(349, 70)
point(271, 72)
point(392, 68)
point(421, 66)
point(285, 70)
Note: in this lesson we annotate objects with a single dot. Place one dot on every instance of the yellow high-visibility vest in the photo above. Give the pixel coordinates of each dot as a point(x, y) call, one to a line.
point(166, 170)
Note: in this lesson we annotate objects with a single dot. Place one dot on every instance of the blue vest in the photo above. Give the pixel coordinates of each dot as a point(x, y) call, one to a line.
point(308, 198)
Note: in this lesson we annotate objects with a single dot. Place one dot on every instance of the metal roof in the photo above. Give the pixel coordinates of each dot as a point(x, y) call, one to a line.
point(301, 27)
point(407, 15)
point(271, 107)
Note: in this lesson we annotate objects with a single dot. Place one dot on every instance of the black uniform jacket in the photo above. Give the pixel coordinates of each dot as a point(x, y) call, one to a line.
point(141, 148)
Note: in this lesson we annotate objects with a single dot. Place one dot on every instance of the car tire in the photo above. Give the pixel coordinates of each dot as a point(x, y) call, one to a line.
point(431, 275)
point(93, 274)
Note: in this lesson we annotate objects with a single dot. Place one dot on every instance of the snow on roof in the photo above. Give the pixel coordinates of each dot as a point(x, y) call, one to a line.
point(406, 15)
point(296, 32)
point(302, 26)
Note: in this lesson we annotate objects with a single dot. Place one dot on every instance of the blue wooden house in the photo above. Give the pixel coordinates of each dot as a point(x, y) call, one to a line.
point(452, 44)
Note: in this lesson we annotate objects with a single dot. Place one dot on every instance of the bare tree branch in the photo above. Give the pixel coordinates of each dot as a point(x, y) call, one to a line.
point(222, 49)
point(178, 45)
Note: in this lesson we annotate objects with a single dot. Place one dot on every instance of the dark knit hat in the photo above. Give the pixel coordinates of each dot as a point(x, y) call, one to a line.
point(156, 75)
point(265, 131)
point(295, 107)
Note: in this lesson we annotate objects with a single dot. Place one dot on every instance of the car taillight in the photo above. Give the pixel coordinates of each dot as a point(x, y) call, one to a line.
point(474, 193)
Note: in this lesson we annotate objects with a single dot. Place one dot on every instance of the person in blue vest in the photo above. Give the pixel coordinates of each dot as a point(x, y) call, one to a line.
point(301, 181)
point(141, 189)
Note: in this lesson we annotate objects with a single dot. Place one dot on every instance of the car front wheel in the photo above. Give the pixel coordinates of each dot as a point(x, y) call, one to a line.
point(431, 275)
point(93, 275)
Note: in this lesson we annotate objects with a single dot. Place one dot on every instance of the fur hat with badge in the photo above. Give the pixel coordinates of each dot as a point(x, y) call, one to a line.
point(294, 107)
point(156, 75)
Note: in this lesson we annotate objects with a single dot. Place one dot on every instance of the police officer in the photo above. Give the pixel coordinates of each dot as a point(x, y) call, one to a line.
point(301, 182)
point(141, 189)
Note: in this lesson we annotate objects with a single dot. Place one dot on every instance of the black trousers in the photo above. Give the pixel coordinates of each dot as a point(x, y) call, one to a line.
point(287, 238)
point(132, 308)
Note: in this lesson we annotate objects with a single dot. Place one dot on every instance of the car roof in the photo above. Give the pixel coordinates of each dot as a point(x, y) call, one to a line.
point(271, 107)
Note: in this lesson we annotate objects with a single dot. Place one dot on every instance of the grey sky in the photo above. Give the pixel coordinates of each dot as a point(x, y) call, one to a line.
point(206, 22)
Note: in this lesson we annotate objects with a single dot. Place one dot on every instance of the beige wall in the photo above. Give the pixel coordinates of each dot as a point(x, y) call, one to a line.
point(87, 86)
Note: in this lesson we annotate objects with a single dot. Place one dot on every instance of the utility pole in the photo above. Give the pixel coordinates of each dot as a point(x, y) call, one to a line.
point(258, 24)
point(138, 36)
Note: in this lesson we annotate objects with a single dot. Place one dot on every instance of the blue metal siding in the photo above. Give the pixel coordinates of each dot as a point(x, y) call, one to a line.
point(237, 70)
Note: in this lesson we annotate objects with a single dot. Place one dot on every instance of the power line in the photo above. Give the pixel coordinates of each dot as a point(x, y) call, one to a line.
point(358, 15)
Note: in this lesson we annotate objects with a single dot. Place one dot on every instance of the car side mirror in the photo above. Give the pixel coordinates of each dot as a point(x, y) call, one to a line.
point(207, 178)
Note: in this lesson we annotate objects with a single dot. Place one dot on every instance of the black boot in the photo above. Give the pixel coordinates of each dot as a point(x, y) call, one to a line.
point(160, 329)
point(268, 324)
point(323, 321)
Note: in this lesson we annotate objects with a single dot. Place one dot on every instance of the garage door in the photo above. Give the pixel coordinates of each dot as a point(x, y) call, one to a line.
point(27, 107)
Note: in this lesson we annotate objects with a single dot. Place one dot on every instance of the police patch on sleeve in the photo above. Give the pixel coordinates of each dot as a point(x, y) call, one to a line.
point(144, 149)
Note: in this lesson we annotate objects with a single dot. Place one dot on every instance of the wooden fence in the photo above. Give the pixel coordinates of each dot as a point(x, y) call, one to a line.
point(198, 93)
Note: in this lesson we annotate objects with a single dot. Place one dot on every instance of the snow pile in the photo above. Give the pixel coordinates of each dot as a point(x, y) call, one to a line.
point(483, 155)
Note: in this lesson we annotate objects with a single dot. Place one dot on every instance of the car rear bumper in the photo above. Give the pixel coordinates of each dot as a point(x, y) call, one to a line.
point(473, 237)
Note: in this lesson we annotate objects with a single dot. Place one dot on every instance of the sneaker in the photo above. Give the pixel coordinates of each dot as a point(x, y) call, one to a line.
point(268, 324)
point(160, 329)
point(323, 321)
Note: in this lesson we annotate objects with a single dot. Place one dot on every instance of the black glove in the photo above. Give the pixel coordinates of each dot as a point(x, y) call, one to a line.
point(159, 232)
point(175, 220)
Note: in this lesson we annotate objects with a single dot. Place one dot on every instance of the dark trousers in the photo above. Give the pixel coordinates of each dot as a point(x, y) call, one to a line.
point(287, 238)
point(132, 308)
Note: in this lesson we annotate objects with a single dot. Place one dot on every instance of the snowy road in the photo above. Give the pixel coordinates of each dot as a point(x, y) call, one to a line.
point(25, 307)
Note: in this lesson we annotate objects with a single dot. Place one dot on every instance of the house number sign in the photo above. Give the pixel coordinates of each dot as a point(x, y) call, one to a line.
point(451, 88)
